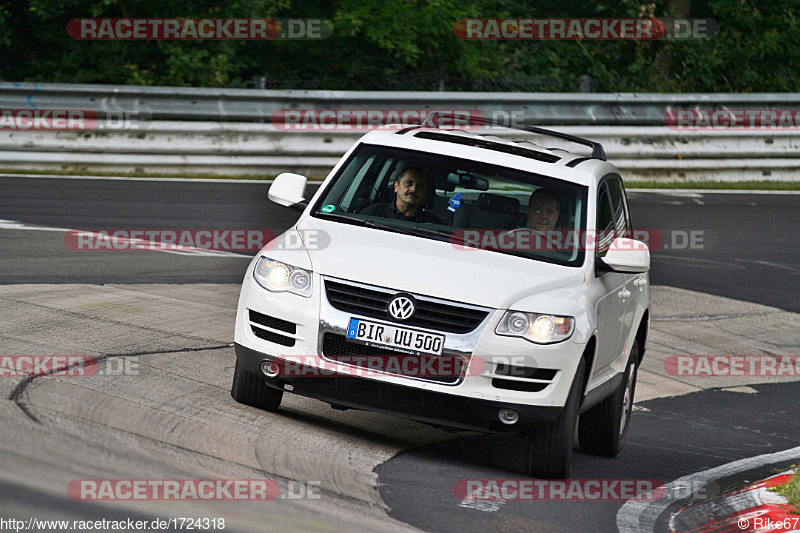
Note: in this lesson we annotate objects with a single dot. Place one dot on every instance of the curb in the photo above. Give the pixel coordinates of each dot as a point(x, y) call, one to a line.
point(755, 508)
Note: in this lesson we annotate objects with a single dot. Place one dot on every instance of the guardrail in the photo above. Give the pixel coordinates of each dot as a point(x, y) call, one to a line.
point(233, 131)
point(249, 105)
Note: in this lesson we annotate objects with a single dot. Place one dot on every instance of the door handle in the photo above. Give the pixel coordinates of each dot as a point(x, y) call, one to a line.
point(624, 293)
point(641, 282)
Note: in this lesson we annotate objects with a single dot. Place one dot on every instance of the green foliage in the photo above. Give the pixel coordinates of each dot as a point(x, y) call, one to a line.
point(791, 491)
point(411, 45)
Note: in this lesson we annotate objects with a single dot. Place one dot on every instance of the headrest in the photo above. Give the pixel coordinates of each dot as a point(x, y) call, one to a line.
point(498, 203)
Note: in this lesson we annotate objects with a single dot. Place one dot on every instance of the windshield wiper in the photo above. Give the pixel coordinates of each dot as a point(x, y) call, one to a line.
point(341, 218)
point(414, 231)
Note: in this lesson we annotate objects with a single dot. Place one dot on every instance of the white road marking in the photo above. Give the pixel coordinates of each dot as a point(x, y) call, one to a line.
point(133, 243)
point(12, 224)
point(487, 506)
point(777, 265)
point(699, 192)
point(127, 178)
point(741, 390)
point(694, 262)
point(637, 516)
point(692, 193)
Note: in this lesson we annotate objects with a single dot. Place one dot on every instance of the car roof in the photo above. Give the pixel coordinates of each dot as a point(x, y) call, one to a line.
point(513, 150)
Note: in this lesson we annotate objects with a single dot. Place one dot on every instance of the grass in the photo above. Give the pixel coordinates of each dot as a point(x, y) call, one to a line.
point(791, 491)
point(190, 175)
point(763, 185)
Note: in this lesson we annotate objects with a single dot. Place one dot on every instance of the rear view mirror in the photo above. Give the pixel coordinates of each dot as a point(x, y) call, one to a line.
point(468, 181)
point(289, 190)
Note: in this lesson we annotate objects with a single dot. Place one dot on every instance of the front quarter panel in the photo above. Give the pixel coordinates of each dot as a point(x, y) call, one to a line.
point(572, 301)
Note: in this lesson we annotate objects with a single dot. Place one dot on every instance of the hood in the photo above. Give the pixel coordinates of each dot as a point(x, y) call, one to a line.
point(428, 267)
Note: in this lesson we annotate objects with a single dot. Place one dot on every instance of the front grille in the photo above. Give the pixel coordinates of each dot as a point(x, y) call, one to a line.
point(430, 315)
point(274, 323)
point(445, 369)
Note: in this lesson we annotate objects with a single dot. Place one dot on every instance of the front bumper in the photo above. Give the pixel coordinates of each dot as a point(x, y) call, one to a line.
point(311, 319)
point(430, 407)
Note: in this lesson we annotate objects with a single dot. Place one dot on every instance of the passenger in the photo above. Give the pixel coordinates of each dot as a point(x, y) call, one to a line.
point(411, 191)
point(543, 210)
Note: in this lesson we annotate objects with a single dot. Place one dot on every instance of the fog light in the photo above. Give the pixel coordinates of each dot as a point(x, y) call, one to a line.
point(508, 416)
point(270, 369)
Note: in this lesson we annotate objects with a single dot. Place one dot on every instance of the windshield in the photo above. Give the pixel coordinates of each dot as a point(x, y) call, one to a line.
point(467, 203)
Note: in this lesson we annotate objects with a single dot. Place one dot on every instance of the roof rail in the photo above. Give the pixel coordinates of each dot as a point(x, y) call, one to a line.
point(597, 149)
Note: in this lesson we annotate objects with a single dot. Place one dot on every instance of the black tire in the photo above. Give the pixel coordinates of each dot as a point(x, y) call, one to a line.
point(250, 389)
point(603, 428)
point(550, 448)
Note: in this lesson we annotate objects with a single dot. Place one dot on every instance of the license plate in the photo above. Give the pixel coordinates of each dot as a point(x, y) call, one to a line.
point(403, 339)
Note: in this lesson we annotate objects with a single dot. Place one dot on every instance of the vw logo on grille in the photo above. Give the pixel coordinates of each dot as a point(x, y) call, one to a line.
point(401, 308)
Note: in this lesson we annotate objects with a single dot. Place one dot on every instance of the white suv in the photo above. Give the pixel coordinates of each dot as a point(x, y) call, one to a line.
point(462, 280)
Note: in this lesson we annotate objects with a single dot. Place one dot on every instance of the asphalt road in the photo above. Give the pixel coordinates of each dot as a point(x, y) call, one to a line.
point(42, 257)
point(668, 438)
point(745, 241)
point(749, 244)
point(746, 254)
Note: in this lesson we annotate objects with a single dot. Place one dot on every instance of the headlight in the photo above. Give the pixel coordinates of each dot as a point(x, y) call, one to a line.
point(538, 328)
point(280, 277)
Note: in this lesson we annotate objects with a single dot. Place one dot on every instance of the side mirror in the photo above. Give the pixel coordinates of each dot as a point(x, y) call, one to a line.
point(289, 190)
point(626, 255)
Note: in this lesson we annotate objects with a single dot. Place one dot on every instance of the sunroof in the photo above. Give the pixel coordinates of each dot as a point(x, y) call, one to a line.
point(489, 145)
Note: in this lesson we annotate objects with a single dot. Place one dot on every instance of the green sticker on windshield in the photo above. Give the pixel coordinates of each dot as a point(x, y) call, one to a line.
point(328, 208)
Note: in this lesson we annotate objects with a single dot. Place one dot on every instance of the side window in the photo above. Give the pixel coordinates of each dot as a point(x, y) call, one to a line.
point(605, 221)
point(356, 185)
point(365, 187)
point(343, 190)
point(625, 201)
point(619, 210)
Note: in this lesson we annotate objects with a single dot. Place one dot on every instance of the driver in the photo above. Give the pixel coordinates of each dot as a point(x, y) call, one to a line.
point(543, 210)
point(411, 190)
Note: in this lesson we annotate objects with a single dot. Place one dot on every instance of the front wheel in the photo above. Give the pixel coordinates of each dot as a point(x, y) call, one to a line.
point(550, 448)
point(250, 389)
point(603, 428)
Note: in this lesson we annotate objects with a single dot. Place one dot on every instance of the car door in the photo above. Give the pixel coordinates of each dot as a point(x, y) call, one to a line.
point(622, 223)
point(611, 286)
point(636, 286)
